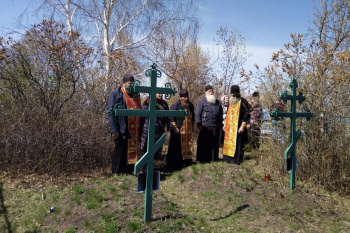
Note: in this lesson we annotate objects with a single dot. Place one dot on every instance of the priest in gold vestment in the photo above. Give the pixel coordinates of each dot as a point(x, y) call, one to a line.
point(236, 135)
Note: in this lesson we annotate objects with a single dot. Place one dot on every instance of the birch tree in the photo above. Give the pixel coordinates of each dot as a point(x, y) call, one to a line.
point(122, 25)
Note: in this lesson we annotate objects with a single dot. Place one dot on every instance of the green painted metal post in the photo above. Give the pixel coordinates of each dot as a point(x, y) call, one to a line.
point(148, 158)
point(289, 154)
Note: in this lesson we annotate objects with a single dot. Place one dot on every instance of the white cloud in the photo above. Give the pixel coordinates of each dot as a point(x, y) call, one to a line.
point(260, 55)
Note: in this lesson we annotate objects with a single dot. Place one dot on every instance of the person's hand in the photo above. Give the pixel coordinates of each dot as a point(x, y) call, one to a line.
point(177, 131)
point(241, 130)
point(223, 128)
point(115, 135)
point(248, 126)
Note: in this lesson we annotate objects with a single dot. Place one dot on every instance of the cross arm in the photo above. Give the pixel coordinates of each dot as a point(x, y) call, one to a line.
point(141, 163)
point(131, 112)
point(291, 147)
point(307, 115)
point(277, 114)
point(288, 151)
point(286, 97)
point(164, 90)
point(142, 89)
point(159, 90)
point(144, 159)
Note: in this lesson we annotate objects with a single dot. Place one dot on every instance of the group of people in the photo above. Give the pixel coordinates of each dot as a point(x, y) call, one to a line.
point(225, 123)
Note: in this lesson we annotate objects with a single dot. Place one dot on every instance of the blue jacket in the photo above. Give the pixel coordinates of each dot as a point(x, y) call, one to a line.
point(208, 114)
point(117, 124)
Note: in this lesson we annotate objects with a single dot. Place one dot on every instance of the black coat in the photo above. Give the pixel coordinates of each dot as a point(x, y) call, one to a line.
point(179, 120)
point(160, 125)
point(208, 114)
point(244, 116)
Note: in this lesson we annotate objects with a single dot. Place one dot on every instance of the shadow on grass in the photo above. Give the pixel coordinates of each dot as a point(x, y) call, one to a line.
point(239, 208)
point(163, 218)
point(3, 210)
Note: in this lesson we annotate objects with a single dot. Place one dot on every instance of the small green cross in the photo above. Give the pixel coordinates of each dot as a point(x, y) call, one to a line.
point(152, 113)
point(289, 154)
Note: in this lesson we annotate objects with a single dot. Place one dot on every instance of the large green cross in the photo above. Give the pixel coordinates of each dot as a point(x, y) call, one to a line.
point(152, 113)
point(289, 154)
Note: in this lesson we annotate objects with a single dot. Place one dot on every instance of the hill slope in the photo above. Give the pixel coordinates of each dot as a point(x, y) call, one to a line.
point(216, 197)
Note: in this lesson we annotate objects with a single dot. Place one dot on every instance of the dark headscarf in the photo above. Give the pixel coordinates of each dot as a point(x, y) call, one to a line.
point(183, 93)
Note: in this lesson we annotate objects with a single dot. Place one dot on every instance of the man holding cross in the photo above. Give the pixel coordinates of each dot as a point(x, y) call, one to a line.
point(125, 130)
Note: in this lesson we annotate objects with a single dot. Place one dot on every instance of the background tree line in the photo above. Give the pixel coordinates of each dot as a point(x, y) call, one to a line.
point(55, 80)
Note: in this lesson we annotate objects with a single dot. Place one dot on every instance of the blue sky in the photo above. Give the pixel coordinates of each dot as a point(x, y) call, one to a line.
point(266, 24)
point(10, 11)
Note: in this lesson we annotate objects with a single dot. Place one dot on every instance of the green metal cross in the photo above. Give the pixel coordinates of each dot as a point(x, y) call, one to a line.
point(148, 158)
point(289, 154)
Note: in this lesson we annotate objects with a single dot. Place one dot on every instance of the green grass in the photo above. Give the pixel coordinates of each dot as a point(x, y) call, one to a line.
point(112, 189)
point(78, 189)
point(108, 222)
point(76, 199)
point(71, 229)
point(67, 213)
point(87, 224)
point(124, 186)
point(93, 199)
point(308, 211)
point(211, 193)
point(214, 197)
point(134, 225)
point(194, 169)
point(180, 177)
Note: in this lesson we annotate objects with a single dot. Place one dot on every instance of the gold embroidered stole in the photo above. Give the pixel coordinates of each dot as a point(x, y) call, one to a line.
point(231, 127)
point(133, 150)
point(186, 133)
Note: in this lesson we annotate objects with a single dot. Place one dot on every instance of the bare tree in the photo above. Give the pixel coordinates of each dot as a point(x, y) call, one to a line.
point(180, 58)
point(232, 57)
point(50, 66)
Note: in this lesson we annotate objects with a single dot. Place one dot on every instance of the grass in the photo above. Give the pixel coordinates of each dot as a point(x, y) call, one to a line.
point(71, 229)
point(78, 189)
point(93, 199)
point(215, 197)
point(180, 177)
point(134, 225)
